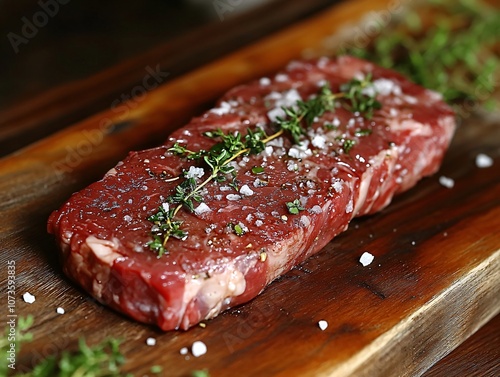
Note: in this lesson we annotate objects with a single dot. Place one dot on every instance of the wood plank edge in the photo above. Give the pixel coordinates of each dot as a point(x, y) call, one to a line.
point(394, 353)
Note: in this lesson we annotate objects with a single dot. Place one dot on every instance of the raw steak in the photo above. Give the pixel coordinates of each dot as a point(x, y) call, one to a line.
point(103, 230)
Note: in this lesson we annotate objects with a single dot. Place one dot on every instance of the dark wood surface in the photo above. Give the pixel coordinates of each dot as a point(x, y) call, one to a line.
point(399, 316)
point(189, 41)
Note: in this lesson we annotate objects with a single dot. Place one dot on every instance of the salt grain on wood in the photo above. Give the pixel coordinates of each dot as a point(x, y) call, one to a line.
point(366, 259)
point(198, 348)
point(29, 298)
point(483, 161)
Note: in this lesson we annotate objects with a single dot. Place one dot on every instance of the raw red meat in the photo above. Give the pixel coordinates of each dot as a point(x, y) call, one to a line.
point(103, 230)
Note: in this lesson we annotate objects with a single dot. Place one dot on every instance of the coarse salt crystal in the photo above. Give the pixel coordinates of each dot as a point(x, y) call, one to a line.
point(281, 77)
point(195, 172)
point(316, 209)
point(233, 197)
point(198, 348)
point(224, 108)
point(349, 207)
point(483, 161)
point(201, 209)
point(29, 298)
point(366, 258)
point(323, 325)
point(151, 342)
point(245, 190)
point(183, 351)
point(276, 113)
point(265, 81)
point(319, 141)
point(60, 310)
point(446, 182)
point(305, 221)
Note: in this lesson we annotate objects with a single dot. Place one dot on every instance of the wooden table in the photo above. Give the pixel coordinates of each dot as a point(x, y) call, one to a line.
point(430, 296)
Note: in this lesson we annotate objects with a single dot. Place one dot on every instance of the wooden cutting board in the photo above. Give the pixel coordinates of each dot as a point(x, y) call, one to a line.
point(434, 281)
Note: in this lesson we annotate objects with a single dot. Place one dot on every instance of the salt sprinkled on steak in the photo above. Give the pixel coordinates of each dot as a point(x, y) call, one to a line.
point(341, 172)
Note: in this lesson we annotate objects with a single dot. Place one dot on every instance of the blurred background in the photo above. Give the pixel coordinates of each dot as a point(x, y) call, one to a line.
point(53, 51)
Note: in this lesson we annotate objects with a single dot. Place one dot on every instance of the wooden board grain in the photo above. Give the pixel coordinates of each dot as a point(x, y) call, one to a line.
point(435, 279)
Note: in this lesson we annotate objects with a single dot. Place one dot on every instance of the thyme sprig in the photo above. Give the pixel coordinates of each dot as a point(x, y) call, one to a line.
point(231, 146)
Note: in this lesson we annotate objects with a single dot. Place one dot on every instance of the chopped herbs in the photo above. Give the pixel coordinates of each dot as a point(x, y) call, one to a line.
point(238, 230)
point(257, 170)
point(231, 146)
point(347, 145)
point(358, 100)
point(294, 207)
point(363, 132)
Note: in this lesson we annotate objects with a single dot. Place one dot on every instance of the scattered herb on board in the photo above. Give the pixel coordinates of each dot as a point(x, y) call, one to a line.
point(448, 46)
point(200, 373)
point(103, 360)
point(294, 207)
point(234, 145)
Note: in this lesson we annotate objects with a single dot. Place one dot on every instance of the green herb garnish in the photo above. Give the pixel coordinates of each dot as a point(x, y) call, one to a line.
point(347, 145)
point(200, 373)
point(103, 360)
point(238, 230)
point(234, 145)
point(258, 170)
point(294, 207)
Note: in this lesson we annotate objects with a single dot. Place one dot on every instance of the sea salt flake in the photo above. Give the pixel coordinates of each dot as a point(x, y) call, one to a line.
point(195, 172)
point(483, 161)
point(281, 77)
point(198, 348)
point(201, 209)
point(316, 209)
point(323, 325)
point(60, 310)
point(151, 342)
point(446, 182)
point(366, 259)
point(265, 81)
point(28, 298)
point(245, 190)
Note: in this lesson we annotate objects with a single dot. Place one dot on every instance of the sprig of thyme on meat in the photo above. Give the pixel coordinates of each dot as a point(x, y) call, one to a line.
point(235, 145)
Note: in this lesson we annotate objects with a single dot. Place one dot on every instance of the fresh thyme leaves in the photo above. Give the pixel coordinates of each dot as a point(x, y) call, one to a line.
point(347, 145)
point(452, 47)
point(231, 146)
point(363, 132)
point(359, 101)
point(238, 229)
point(294, 207)
point(258, 169)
